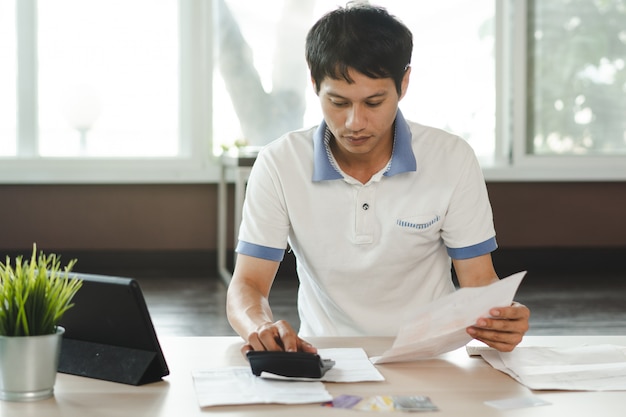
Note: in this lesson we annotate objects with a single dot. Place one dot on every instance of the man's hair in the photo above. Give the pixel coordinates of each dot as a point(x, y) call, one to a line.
point(362, 37)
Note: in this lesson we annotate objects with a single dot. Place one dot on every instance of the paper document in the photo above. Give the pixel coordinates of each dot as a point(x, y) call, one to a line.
point(238, 385)
point(351, 365)
point(585, 368)
point(440, 326)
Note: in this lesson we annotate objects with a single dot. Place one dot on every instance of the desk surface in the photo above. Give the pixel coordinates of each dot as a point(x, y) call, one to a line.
point(456, 383)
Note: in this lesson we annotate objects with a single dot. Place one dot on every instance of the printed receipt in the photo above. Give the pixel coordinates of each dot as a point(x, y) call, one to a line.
point(439, 327)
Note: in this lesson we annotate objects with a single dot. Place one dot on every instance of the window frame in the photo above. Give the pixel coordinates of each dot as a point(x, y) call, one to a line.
point(197, 164)
point(522, 166)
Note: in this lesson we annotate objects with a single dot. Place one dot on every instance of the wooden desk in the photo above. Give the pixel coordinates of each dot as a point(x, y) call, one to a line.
point(456, 383)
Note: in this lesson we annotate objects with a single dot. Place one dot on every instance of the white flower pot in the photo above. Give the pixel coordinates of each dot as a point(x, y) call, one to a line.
point(28, 366)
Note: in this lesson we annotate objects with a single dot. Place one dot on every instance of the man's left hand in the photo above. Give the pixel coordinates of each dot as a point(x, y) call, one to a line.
point(504, 329)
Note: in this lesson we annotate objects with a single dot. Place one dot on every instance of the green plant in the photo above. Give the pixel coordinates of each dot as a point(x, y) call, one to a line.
point(35, 294)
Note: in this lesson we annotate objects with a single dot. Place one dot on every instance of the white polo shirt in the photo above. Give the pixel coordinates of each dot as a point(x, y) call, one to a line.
point(366, 253)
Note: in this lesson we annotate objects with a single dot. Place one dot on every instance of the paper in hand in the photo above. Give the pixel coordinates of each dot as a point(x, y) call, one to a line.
point(440, 326)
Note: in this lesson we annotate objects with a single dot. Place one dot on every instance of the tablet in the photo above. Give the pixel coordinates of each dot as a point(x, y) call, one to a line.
point(109, 333)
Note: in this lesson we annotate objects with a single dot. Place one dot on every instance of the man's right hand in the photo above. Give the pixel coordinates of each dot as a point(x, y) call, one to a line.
point(249, 312)
point(277, 336)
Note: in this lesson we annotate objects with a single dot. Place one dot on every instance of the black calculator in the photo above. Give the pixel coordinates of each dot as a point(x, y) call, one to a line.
point(289, 364)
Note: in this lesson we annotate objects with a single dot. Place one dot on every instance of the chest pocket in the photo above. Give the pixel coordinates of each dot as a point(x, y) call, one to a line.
point(418, 224)
point(421, 231)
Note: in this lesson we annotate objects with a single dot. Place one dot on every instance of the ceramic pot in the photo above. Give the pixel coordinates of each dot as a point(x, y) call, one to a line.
point(28, 366)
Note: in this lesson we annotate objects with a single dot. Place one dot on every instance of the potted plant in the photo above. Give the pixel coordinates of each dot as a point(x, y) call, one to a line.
point(34, 295)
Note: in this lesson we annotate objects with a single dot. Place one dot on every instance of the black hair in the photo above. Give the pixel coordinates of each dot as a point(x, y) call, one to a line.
point(362, 37)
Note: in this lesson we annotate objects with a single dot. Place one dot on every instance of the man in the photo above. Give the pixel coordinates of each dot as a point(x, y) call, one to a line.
point(373, 207)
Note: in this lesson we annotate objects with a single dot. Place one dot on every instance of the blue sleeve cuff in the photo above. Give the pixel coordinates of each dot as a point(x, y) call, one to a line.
point(258, 251)
point(473, 251)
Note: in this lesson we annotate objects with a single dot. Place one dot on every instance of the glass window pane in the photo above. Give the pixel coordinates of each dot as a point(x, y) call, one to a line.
point(8, 79)
point(108, 78)
point(262, 87)
point(577, 77)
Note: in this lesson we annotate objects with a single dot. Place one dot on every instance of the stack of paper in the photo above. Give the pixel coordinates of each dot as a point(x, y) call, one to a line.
point(584, 368)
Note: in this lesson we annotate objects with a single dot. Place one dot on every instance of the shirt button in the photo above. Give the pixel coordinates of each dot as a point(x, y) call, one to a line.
point(365, 206)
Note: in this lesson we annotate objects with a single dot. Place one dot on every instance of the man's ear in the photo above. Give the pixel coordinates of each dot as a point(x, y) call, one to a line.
point(405, 82)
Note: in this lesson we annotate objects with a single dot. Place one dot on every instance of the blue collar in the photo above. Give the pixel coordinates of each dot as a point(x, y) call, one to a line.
point(402, 157)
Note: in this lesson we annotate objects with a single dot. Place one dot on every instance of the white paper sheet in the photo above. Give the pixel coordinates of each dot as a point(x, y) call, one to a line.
point(237, 385)
point(351, 365)
point(440, 326)
point(582, 368)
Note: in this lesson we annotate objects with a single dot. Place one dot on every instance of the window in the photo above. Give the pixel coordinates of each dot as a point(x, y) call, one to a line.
point(8, 95)
point(578, 92)
point(563, 62)
point(98, 84)
point(107, 78)
point(154, 90)
point(109, 91)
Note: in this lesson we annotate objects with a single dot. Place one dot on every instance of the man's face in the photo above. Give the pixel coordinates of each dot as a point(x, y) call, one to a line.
point(360, 115)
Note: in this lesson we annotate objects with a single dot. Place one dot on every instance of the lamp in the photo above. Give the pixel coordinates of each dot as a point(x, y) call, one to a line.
point(82, 109)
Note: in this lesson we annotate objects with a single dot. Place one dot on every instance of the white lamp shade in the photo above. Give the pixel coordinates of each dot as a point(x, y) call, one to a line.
point(82, 106)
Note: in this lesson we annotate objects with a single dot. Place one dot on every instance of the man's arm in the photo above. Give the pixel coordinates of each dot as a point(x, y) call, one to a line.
point(507, 325)
point(249, 312)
